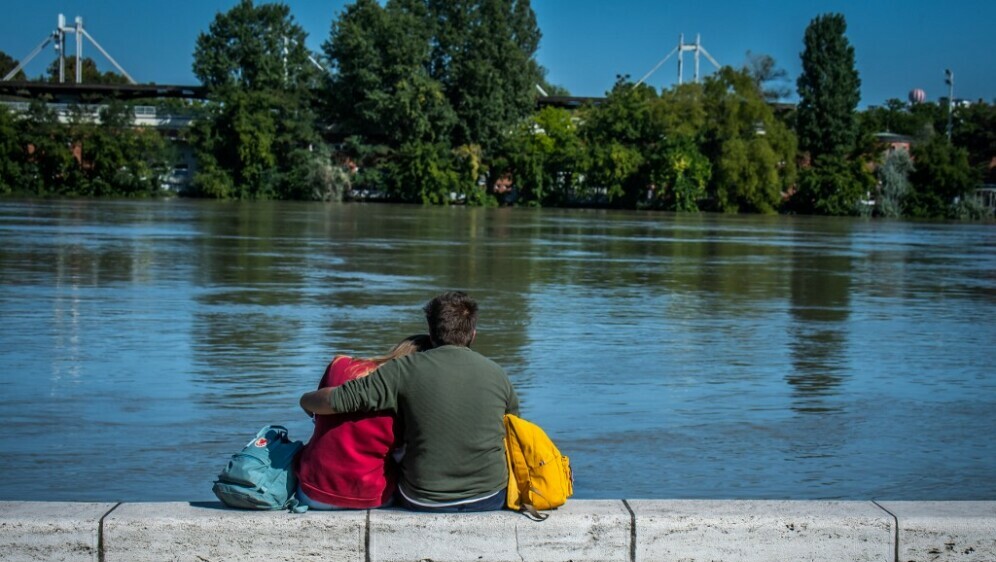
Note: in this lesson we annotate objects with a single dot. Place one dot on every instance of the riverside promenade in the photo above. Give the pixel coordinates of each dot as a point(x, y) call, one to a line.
point(583, 530)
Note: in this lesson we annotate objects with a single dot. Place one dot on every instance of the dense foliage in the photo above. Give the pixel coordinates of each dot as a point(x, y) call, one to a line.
point(941, 174)
point(260, 138)
point(710, 146)
point(942, 177)
point(427, 92)
point(435, 102)
point(79, 155)
point(11, 152)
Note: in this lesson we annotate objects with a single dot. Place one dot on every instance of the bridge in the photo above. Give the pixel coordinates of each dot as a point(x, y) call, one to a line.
point(62, 92)
point(68, 93)
point(145, 115)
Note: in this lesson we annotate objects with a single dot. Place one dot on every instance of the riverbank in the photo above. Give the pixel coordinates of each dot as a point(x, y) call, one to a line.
point(602, 530)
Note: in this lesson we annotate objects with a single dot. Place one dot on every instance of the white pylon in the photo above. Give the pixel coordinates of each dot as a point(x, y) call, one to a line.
point(59, 37)
point(696, 47)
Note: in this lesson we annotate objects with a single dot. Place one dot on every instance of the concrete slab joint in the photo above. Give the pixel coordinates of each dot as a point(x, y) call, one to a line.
point(938, 531)
point(57, 531)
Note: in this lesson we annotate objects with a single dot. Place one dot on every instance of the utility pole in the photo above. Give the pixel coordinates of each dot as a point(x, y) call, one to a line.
point(79, 51)
point(698, 47)
point(681, 62)
point(949, 80)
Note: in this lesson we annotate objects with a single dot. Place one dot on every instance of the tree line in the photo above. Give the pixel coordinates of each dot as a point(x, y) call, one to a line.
point(435, 102)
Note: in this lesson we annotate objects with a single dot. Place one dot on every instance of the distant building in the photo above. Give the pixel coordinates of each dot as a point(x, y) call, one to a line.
point(986, 196)
point(896, 142)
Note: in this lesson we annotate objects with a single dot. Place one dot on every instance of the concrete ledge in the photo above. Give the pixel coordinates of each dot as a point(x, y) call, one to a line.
point(208, 531)
point(51, 531)
point(762, 530)
point(945, 531)
point(583, 530)
point(579, 531)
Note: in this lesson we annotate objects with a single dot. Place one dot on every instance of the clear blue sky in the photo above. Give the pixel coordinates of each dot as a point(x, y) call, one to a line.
point(899, 45)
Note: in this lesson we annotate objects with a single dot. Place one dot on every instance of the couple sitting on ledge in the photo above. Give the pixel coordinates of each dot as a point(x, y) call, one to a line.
point(420, 427)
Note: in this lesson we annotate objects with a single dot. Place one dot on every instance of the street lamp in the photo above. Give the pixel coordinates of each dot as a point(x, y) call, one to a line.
point(949, 80)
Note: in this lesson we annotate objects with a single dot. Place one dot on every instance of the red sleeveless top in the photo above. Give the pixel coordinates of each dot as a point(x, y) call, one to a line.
point(347, 462)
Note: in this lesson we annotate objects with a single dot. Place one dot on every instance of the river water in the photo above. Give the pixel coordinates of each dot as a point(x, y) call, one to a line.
point(670, 356)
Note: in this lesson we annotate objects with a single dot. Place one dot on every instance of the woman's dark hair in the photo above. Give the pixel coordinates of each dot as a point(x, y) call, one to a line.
point(452, 319)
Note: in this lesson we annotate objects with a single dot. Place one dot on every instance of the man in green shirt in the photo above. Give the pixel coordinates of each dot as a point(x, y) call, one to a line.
point(451, 401)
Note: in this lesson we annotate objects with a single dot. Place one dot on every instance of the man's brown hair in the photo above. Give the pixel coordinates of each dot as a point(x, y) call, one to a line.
point(452, 319)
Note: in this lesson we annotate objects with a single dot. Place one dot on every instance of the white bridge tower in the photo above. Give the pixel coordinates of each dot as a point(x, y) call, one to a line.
point(696, 47)
point(59, 38)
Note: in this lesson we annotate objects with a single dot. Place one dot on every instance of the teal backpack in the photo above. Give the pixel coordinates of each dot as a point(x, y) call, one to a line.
point(261, 475)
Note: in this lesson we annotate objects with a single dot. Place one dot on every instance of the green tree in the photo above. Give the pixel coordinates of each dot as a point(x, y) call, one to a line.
point(254, 47)
point(544, 158)
point(423, 172)
point(380, 89)
point(315, 177)
point(49, 164)
point(443, 81)
point(119, 158)
point(382, 99)
point(619, 134)
point(829, 90)
point(613, 166)
point(746, 178)
point(682, 111)
point(893, 177)
point(834, 185)
point(769, 79)
point(8, 63)
point(83, 154)
point(943, 175)
point(12, 152)
point(90, 74)
point(483, 56)
point(753, 153)
point(238, 141)
point(918, 121)
point(260, 78)
point(717, 144)
point(975, 131)
point(679, 175)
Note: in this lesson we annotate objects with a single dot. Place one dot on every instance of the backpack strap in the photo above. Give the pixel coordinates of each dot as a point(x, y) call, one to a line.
point(295, 506)
point(281, 431)
point(530, 512)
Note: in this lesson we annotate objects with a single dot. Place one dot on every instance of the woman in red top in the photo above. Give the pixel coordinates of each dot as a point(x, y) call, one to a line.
point(348, 461)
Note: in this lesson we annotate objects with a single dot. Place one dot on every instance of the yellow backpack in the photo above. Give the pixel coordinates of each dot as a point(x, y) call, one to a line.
point(539, 477)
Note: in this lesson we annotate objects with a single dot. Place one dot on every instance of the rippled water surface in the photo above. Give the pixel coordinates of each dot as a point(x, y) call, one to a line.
point(670, 356)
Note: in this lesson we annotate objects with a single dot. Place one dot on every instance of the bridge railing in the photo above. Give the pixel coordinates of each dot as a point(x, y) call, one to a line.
point(145, 115)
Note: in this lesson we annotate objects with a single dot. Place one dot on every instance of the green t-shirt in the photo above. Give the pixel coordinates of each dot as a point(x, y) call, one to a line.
point(451, 401)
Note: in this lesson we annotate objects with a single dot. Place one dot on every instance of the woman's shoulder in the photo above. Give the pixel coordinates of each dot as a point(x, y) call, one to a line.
point(340, 357)
point(346, 368)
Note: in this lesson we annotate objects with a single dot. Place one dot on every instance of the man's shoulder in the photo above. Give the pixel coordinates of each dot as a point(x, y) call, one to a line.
point(460, 354)
point(459, 351)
